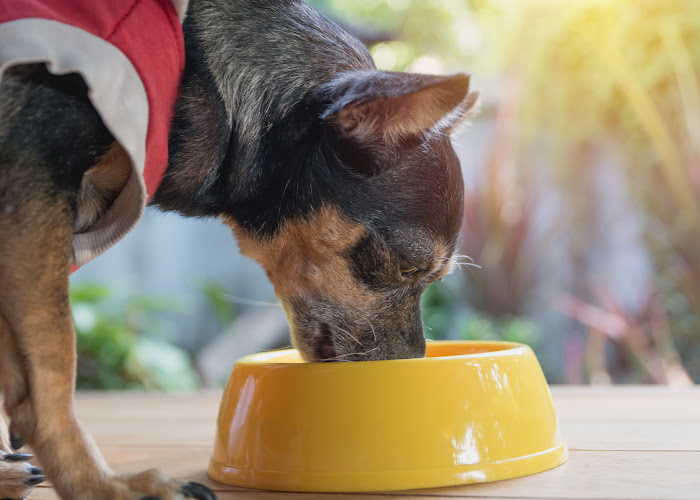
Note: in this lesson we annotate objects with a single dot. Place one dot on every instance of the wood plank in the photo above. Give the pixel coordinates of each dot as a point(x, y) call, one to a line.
point(576, 391)
point(48, 494)
point(587, 475)
point(579, 434)
point(639, 443)
point(602, 435)
point(601, 475)
point(635, 403)
point(627, 404)
point(114, 418)
point(148, 405)
point(180, 432)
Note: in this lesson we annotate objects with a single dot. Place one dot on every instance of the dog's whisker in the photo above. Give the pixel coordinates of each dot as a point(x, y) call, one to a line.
point(374, 333)
point(345, 332)
point(460, 258)
point(463, 256)
point(468, 264)
point(339, 356)
point(234, 299)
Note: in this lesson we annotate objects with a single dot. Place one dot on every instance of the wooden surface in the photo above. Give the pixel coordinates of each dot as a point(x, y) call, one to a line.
point(632, 443)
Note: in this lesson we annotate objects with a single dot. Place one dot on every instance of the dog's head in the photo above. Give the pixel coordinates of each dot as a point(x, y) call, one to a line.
point(369, 205)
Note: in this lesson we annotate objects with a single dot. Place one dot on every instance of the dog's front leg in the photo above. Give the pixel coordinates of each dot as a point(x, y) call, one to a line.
point(17, 476)
point(39, 376)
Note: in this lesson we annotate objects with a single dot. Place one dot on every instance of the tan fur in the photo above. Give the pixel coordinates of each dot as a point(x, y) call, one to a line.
point(443, 263)
point(397, 117)
point(38, 353)
point(4, 435)
point(305, 258)
point(307, 262)
point(101, 185)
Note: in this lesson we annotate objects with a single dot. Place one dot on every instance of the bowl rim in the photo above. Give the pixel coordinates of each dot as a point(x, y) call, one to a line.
point(506, 348)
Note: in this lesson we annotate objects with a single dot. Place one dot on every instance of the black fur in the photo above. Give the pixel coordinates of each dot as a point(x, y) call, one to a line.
point(301, 160)
point(242, 167)
point(55, 128)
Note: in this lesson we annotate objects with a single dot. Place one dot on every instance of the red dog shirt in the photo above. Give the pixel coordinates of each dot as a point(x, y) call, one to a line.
point(131, 55)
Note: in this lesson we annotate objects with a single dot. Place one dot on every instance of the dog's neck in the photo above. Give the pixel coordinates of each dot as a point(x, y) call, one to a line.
point(250, 65)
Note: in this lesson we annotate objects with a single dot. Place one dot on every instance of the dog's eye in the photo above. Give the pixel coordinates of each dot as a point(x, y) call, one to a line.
point(409, 271)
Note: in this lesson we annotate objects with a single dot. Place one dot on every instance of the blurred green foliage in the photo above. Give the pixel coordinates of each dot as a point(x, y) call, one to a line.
point(117, 345)
point(515, 329)
point(438, 308)
point(219, 302)
point(423, 35)
point(446, 316)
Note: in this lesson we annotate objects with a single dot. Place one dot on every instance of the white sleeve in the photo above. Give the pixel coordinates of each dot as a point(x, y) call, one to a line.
point(117, 93)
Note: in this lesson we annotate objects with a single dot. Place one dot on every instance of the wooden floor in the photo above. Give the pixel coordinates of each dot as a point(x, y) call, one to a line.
point(630, 443)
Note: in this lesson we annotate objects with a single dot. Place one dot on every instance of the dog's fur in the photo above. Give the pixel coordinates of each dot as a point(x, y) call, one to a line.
point(338, 179)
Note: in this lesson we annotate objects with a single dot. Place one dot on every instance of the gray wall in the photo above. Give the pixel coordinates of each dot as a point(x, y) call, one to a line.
point(171, 257)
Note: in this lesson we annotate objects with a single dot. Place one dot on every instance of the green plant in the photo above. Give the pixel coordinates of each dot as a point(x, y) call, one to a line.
point(439, 305)
point(113, 350)
point(513, 329)
point(445, 316)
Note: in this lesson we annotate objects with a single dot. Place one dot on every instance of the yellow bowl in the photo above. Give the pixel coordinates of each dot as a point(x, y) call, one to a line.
point(468, 412)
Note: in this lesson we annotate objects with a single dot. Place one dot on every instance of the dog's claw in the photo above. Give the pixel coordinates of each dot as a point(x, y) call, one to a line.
point(198, 491)
point(34, 480)
point(17, 457)
point(16, 442)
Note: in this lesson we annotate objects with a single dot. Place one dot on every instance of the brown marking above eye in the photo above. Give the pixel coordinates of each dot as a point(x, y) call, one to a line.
point(308, 256)
point(409, 271)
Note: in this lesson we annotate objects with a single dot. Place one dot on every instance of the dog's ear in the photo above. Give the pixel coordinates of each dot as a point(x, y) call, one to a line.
point(378, 105)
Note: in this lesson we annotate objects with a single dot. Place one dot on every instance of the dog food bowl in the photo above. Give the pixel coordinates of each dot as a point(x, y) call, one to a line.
point(468, 412)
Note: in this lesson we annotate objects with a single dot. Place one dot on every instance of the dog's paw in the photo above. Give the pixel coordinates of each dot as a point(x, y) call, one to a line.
point(153, 485)
point(17, 476)
point(190, 490)
point(198, 491)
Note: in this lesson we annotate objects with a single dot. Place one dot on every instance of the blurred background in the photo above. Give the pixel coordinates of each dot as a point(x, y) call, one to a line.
point(582, 210)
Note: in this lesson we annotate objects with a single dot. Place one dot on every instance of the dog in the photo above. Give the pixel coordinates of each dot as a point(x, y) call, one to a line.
point(338, 179)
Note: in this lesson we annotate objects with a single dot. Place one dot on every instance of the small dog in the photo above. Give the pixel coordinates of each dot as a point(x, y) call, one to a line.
point(340, 180)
